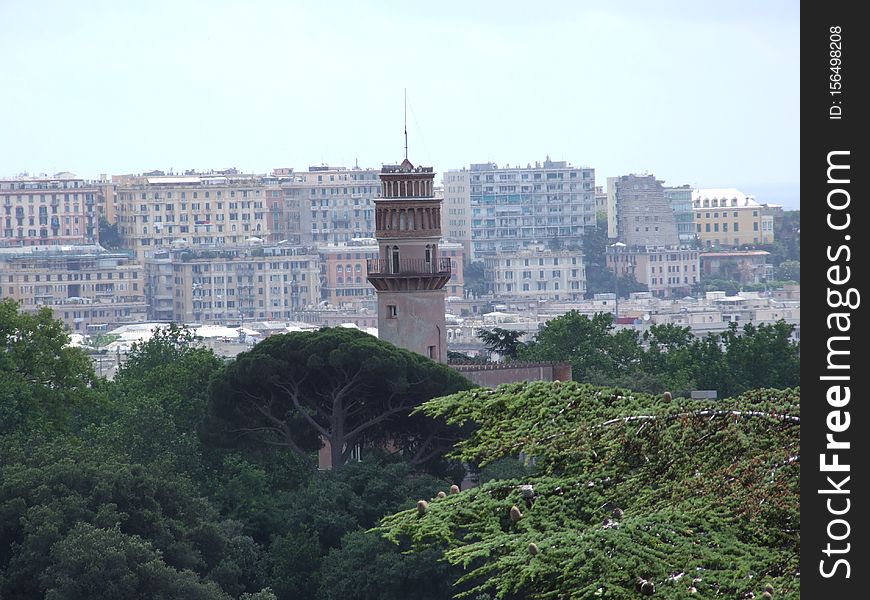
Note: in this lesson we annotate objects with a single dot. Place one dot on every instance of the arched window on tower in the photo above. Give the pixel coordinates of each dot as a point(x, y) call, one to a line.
point(395, 256)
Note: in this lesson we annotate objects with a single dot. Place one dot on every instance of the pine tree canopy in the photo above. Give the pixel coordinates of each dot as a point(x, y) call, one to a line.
point(632, 495)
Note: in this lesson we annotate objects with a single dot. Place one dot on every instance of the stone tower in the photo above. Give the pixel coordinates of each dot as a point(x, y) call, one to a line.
point(409, 275)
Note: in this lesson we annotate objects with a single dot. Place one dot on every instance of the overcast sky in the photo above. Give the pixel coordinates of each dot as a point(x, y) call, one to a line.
point(704, 93)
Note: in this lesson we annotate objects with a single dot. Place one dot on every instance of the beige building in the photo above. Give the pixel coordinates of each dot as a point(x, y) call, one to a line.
point(48, 211)
point(200, 210)
point(729, 218)
point(232, 284)
point(335, 204)
point(324, 205)
point(88, 288)
point(537, 273)
point(667, 272)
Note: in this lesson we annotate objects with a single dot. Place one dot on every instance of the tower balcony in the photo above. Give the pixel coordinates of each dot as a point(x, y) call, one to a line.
point(408, 274)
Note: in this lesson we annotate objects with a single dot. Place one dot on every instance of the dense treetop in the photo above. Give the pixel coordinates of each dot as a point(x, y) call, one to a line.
point(339, 385)
point(690, 498)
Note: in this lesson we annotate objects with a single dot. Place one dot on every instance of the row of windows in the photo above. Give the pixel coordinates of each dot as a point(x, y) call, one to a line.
point(672, 280)
point(541, 274)
point(542, 286)
point(71, 277)
point(183, 195)
point(540, 261)
point(29, 290)
point(718, 242)
point(735, 229)
point(724, 214)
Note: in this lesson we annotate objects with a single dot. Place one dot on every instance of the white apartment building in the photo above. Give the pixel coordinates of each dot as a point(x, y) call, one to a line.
point(511, 208)
point(536, 273)
point(456, 207)
point(232, 284)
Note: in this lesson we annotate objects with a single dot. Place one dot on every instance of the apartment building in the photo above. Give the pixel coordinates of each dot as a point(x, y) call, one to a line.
point(232, 284)
point(638, 212)
point(537, 273)
point(456, 206)
point(667, 272)
point(512, 208)
point(88, 288)
point(336, 204)
point(48, 211)
point(680, 201)
point(726, 217)
point(199, 210)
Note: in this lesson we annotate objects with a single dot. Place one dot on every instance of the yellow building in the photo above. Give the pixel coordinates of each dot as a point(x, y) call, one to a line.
point(88, 288)
point(725, 217)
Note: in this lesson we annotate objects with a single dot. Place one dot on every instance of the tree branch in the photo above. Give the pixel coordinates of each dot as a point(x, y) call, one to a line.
point(294, 396)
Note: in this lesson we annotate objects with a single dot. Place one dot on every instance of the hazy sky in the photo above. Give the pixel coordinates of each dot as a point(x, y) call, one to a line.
point(704, 93)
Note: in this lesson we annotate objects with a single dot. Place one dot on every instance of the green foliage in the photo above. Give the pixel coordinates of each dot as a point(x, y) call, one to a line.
point(586, 342)
point(668, 357)
point(109, 237)
point(44, 383)
point(340, 385)
point(49, 489)
point(730, 287)
point(506, 468)
point(367, 567)
point(109, 490)
point(460, 358)
point(159, 400)
point(758, 356)
point(103, 339)
point(92, 562)
point(295, 564)
point(787, 239)
point(789, 270)
point(505, 342)
point(473, 276)
point(627, 486)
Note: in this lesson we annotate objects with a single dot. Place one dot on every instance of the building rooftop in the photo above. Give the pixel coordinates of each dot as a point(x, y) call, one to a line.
point(726, 194)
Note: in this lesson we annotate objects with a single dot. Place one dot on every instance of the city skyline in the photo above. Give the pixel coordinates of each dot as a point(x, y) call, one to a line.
point(699, 95)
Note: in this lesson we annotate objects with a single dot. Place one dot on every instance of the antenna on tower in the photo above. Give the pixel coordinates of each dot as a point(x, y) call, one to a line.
point(406, 123)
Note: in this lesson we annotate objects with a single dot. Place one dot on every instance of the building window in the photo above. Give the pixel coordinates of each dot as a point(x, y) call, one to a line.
point(432, 352)
point(392, 313)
